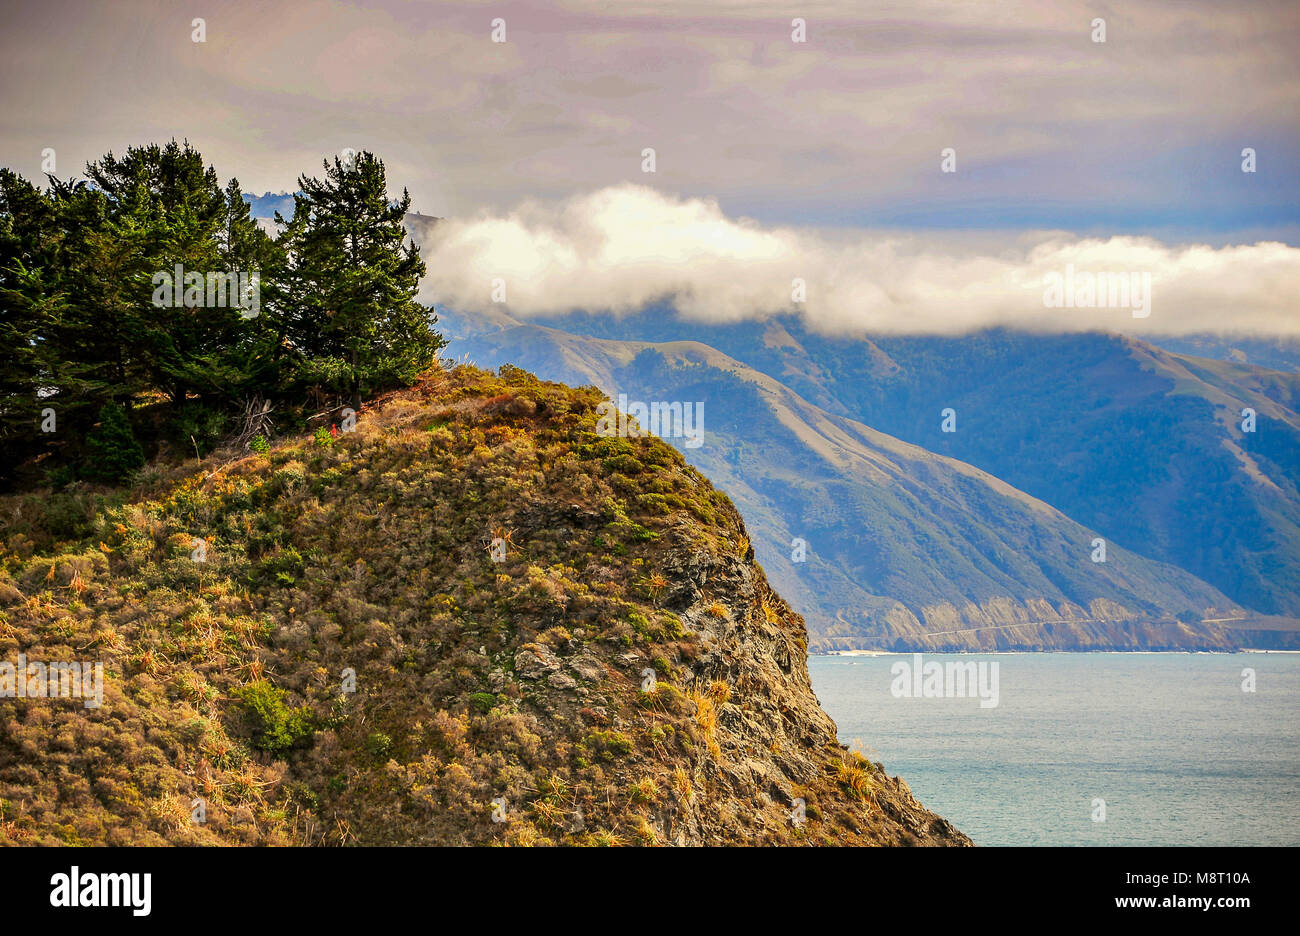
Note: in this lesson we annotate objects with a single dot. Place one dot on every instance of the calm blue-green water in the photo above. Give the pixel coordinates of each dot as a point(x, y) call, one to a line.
point(1178, 752)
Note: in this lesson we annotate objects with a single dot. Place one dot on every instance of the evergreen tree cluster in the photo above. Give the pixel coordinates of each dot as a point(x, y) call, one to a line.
point(93, 363)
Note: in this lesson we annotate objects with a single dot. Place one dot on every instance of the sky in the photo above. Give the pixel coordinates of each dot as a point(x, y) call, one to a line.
point(831, 149)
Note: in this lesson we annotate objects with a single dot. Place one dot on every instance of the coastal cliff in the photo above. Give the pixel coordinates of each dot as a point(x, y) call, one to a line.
point(468, 619)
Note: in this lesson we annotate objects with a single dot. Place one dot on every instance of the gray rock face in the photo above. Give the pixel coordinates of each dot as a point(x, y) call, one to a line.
point(587, 667)
point(561, 681)
point(535, 662)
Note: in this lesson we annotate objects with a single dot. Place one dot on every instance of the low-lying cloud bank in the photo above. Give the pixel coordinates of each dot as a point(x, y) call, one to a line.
point(620, 248)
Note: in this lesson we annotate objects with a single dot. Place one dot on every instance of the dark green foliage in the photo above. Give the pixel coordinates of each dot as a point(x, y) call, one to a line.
point(379, 746)
point(276, 728)
point(67, 516)
point(609, 744)
point(114, 451)
point(206, 425)
point(91, 311)
point(347, 290)
point(624, 464)
point(283, 568)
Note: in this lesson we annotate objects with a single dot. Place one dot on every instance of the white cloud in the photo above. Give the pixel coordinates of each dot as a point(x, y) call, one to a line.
point(620, 248)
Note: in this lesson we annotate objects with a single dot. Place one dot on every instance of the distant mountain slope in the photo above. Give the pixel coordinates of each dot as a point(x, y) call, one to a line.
point(1281, 354)
point(1119, 434)
point(262, 209)
point(265, 206)
point(904, 548)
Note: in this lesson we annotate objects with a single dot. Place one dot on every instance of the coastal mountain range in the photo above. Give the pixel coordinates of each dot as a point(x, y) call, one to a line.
point(984, 537)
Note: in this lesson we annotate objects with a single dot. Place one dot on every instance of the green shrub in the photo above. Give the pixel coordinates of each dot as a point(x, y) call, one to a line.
point(277, 729)
point(643, 792)
point(282, 568)
point(609, 743)
point(63, 515)
point(625, 464)
point(606, 447)
point(653, 503)
point(60, 476)
point(379, 746)
point(666, 698)
point(631, 530)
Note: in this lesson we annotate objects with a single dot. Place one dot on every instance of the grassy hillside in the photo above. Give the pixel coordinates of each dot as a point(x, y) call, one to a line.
point(350, 664)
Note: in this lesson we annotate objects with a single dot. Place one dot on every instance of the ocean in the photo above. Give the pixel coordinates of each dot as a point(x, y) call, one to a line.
point(1088, 748)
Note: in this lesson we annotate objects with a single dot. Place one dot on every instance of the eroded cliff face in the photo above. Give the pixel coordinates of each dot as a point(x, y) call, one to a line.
point(774, 743)
point(470, 621)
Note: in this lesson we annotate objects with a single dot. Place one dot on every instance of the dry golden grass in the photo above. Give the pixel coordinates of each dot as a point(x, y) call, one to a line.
point(645, 833)
point(706, 717)
point(682, 783)
point(854, 774)
point(549, 815)
point(174, 813)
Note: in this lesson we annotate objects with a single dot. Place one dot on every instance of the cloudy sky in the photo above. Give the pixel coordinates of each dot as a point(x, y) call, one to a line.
point(774, 159)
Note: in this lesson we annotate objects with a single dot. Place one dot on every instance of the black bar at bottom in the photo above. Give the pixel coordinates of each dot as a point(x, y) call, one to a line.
point(569, 887)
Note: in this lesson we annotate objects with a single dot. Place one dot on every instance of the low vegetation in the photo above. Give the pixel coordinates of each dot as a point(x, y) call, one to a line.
point(317, 642)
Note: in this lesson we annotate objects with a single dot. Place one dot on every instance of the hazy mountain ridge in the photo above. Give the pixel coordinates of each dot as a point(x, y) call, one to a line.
point(1275, 353)
point(265, 206)
point(1118, 434)
point(894, 532)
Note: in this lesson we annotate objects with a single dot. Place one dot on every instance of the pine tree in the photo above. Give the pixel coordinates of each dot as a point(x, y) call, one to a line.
point(244, 247)
point(85, 332)
point(28, 234)
point(165, 203)
point(114, 451)
point(346, 297)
